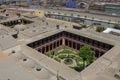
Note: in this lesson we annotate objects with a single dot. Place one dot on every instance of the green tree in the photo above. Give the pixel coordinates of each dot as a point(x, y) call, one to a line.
point(72, 15)
point(117, 26)
point(93, 18)
point(118, 22)
point(49, 12)
point(109, 21)
point(85, 17)
point(91, 57)
point(84, 25)
point(78, 15)
point(86, 54)
point(59, 13)
point(100, 29)
point(52, 53)
point(65, 14)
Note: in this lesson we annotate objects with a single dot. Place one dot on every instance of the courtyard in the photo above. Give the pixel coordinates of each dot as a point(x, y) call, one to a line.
point(72, 58)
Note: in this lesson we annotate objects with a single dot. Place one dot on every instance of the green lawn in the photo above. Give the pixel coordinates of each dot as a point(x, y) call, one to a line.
point(64, 54)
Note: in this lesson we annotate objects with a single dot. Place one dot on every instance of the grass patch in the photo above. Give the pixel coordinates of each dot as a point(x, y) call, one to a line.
point(57, 59)
point(62, 56)
point(67, 56)
point(66, 51)
point(50, 54)
point(79, 61)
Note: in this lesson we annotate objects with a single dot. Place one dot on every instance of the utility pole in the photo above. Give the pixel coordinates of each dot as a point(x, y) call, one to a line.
point(58, 75)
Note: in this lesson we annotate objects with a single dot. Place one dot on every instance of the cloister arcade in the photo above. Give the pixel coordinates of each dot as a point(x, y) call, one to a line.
point(15, 22)
point(70, 40)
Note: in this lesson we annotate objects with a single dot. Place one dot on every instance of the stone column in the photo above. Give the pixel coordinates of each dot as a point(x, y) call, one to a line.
point(39, 50)
point(49, 47)
point(63, 41)
point(99, 54)
point(55, 44)
point(45, 48)
point(58, 43)
point(42, 50)
point(71, 44)
point(75, 45)
point(68, 43)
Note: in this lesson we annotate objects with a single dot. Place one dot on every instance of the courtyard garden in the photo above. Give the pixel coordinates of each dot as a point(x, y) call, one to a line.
point(76, 60)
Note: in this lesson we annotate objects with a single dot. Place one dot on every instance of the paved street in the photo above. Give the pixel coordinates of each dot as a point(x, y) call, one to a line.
point(89, 16)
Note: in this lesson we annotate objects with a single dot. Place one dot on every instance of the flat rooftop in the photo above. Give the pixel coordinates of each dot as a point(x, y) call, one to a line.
point(13, 66)
point(11, 70)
